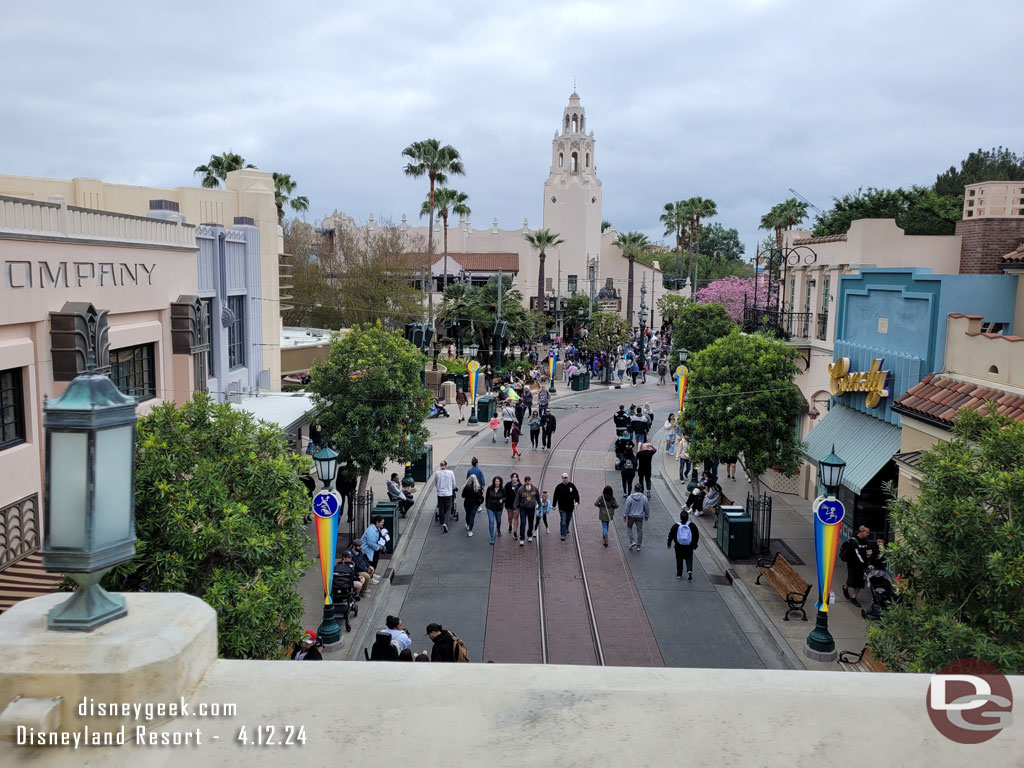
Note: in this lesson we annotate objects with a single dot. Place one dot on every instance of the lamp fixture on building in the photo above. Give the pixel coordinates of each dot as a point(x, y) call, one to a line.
point(813, 413)
point(89, 495)
point(326, 460)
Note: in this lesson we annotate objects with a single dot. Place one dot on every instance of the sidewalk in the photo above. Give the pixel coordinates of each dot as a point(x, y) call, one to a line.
point(791, 524)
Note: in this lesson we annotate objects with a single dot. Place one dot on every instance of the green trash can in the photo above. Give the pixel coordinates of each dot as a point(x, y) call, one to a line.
point(486, 408)
point(389, 511)
point(576, 382)
point(735, 532)
point(586, 380)
point(462, 381)
point(423, 467)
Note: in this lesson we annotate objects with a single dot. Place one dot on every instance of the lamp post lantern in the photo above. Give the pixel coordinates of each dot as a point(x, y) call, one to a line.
point(89, 511)
point(828, 518)
point(326, 505)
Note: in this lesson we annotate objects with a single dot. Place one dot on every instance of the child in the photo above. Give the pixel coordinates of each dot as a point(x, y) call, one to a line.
point(542, 511)
point(514, 435)
point(495, 425)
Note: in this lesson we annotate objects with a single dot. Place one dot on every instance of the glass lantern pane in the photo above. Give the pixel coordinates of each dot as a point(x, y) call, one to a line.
point(68, 488)
point(112, 514)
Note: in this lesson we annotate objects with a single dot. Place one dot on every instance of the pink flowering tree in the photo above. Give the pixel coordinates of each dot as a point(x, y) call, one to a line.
point(729, 291)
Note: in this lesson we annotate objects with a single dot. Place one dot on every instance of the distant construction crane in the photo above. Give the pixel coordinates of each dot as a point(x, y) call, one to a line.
point(803, 199)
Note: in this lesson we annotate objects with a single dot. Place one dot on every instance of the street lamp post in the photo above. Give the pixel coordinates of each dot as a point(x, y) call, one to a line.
point(642, 315)
point(828, 517)
point(326, 504)
point(89, 511)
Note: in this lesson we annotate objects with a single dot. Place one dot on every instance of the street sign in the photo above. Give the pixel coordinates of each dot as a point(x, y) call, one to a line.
point(326, 504)
point(830, 511)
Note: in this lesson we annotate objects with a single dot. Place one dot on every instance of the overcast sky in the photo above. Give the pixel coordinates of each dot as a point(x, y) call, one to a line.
point(735, 100)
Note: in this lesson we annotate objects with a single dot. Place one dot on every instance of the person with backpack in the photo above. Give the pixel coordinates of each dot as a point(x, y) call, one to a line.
point(627, 469)
point(606, 506)
point(636, 512)
point(526, 509)
point(547, 429)
point(508, 418)
point(684, 535)
point(447, 645)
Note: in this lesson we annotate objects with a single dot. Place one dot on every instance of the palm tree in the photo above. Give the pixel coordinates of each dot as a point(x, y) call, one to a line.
point(283, 188)
point(782, 216)
point(699, 208)
point(542, 239)
point(632, 244)
point(219, 166)
point(676, 219)
point(429, 158)
point(604, 225)
point(446, 203)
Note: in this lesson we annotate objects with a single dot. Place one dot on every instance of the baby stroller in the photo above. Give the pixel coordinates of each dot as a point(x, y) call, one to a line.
point(695, 501)
point(623, 445)
point(437, 410)
point(879, 583)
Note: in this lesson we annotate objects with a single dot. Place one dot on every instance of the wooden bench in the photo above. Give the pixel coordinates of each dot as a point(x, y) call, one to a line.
point(787, 582)
point(860, 662)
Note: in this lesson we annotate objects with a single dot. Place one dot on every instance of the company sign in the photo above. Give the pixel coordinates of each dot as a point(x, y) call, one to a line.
point(20, 274)
point(871, 381)
point(970, 701)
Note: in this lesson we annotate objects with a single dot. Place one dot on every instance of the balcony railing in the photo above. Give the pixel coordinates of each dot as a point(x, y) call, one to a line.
point(787, 325)
point(822, 333)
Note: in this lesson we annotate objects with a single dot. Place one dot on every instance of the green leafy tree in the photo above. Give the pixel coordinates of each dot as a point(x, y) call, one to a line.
point(721, 244)
point(959, 547)
point(633, 244)
point(542, 239)
point(429, 158)
point(370, 398)
point(918, 211)
point(284, 186)
point(607, 331)
point(670, 305)
point(695, 326)
point(996, 164)
point(742, 401)
point(676, 218)
point(219, 166)
point(219, 510)
point(447, 202)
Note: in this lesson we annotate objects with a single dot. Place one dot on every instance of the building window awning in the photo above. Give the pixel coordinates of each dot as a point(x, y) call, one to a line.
point(863, 442)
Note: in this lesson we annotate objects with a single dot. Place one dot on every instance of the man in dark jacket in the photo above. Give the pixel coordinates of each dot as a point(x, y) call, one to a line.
point(565, 499)
point(444, 643)
point(644, 456)
point(684, 535)
point(305, 649)
point(520, 412)
point(547, 429)
point(621, 419)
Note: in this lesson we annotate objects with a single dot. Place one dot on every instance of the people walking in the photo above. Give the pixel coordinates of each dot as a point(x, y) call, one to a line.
point(684, 535)
point(547, 429)
point(627, 470)
point(644, 458)
point(474, 469)
point(857, 552)
point(494, 500)
point(460, 401)
point(514, 434)
point(444, 485)
point(535, 429)
point(542, 401)
point(730, 467)
point(606, 506)
point(508, 418)
point(511, 489)
point(637, 510)
point(634, 371)
point(520, 411)
point(495, 425)
point(565, 499)
point(543, 510)
point(526, 509)
point(670, 434)
point(472, 498)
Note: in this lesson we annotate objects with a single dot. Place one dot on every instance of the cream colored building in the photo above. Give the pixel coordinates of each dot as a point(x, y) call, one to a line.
point(247, 199)
point(994, 199)
point(588, 259)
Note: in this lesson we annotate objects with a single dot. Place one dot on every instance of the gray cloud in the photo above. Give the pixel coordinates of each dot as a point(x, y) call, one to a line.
point(737, 100)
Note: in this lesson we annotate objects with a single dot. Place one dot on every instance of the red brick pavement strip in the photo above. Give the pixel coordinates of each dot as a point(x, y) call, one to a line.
point(512, 631)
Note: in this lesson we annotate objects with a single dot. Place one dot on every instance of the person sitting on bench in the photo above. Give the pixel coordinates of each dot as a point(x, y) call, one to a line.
point(395, 493)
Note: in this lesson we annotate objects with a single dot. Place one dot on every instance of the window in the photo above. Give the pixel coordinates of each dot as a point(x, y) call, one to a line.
point(133, 372)
point(574, 163)
point(588, 165)
point(571, 283)
point(207, 321)
point(236, 332)
point(826, 285)
point(12, 409)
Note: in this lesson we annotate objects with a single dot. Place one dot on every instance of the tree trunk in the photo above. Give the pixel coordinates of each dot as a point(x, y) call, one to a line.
point(444, 280)
point(696, 260)
point(430, 272)
point(540, 282)
point(629, 292)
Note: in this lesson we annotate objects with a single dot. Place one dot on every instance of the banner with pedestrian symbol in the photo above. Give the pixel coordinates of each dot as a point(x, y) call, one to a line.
point(828, 517)
point(325, 512)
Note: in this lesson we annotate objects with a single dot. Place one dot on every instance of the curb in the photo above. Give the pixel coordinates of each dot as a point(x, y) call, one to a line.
point(786, 653)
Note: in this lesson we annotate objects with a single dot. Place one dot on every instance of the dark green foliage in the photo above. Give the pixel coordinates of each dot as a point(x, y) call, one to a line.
point(218, 514)
point(918, 211)
point(960, 549)
point(370, 397)
point(695, 326)
point(996, 164)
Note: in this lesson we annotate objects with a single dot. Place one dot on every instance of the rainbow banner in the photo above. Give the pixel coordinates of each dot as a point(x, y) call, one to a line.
point(682, 374)
point(325, 512)
point(552, 362)
point(474, 371)
point(828, 515)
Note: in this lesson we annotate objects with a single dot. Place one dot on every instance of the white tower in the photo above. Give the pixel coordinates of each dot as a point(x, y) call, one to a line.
point(572, 200)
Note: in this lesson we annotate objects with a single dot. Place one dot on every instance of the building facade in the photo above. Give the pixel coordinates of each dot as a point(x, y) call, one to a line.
point(72, 274)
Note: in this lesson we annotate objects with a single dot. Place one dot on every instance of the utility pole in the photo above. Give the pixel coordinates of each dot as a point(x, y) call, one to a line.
point(558, 301)
point(593, 269)
point(654, 303)
point(497, 324)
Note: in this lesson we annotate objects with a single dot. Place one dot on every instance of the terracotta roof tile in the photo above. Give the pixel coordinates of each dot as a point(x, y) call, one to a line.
point(941, 398)
point(481, 262)
point(820, 239)
point(1015, 256)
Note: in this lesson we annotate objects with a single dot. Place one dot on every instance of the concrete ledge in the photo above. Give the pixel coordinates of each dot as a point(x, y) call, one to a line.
point(157, 653)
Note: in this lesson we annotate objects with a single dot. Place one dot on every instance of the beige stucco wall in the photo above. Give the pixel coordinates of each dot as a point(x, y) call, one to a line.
point(300, 359)
point(248, 192)
point(994, 200)
point(996, 360)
